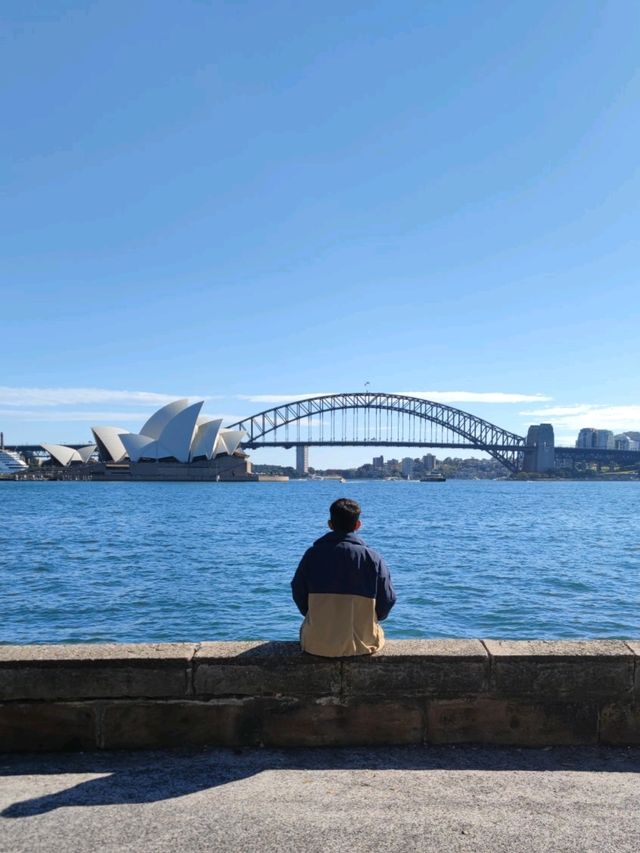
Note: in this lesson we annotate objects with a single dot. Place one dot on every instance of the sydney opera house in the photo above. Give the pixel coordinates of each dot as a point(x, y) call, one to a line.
point(176, 443)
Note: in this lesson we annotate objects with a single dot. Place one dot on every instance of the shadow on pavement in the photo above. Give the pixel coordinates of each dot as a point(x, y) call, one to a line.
point(145, 777)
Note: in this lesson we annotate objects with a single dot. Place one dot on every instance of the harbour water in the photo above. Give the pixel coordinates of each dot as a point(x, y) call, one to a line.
point(143, 562)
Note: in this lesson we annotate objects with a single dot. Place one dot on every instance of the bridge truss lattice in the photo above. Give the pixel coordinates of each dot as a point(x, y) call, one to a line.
point(377, 419)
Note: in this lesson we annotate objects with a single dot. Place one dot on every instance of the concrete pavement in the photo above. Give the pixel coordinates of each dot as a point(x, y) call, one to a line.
point(391, 799)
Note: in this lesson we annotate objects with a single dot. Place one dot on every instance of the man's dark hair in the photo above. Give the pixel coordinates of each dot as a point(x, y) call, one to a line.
point(345, 514)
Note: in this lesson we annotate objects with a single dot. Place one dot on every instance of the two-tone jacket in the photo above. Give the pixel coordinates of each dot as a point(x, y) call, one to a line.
point(343, 589)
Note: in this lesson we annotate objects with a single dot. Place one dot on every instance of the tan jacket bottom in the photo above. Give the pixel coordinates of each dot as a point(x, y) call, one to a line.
point(341, 626)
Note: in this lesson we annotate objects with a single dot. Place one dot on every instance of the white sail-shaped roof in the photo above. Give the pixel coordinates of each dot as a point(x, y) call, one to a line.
point(205, 437)
point(135, 444)
point(108, 439)
point(85, 453)
point(62, 454)
point(159, 420)
point(178, 431)
point(228, 440)
point(155, 450)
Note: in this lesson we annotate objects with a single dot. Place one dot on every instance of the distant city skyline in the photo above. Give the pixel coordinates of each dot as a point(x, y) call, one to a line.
point(246, 203)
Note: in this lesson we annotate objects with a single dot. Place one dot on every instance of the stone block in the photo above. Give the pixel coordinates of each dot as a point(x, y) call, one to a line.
point(40, 726)
point(561, 671)
point(496, 721)
point(145, 725)
point(94, 671)
point(262, 669)
point(634, 648)
point(620, 725)
point(55, 654)
point(419, 668)
point(329, 722)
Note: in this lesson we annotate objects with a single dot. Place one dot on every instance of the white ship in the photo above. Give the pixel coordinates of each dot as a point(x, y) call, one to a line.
point(11, 463)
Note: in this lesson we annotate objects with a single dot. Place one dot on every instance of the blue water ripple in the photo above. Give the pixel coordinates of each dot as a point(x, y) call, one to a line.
point(133, 562)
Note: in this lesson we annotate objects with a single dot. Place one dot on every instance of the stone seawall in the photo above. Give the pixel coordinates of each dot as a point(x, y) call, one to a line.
point(526, 693)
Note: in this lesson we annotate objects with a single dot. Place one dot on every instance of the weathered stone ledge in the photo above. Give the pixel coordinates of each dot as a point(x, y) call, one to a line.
point(527, 693)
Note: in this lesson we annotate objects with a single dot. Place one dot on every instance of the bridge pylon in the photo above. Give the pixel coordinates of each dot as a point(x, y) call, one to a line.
point(540, 455)
point(302, 459)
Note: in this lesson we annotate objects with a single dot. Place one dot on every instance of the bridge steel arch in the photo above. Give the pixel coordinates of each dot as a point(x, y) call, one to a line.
point(506, 447)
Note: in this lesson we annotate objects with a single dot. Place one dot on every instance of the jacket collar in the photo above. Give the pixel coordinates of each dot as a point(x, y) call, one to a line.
point(344, 537)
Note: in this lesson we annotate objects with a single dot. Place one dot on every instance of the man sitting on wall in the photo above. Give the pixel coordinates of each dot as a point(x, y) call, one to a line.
point(343, 589)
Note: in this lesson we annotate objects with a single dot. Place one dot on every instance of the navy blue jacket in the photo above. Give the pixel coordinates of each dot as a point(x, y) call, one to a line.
point(343, 589)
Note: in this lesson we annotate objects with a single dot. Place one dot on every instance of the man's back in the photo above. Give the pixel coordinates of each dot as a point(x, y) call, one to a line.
point(343, 589)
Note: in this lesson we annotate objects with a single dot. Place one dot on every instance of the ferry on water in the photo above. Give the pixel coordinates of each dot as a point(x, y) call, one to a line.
point(433, 478)
point(11, 463)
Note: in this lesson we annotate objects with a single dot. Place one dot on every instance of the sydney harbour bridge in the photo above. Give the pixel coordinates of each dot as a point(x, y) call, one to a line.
point(397, 420)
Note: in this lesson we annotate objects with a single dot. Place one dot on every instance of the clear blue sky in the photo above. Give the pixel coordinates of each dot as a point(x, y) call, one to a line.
point(260, 199)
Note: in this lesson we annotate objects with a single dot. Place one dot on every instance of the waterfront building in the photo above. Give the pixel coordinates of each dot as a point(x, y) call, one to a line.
point(626, 442)
point(605, 439)
point(596, 439)
point(392, 466)
point(175, 433)
point(586, 438)
point(378, 463)
point(407, 466)
point(302, 459)
point(429, 462)
point(182, 444)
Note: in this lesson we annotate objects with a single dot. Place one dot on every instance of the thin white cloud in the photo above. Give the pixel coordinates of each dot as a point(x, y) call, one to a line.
point(616, 418)
point(96, 418)
point(67, 415)
point(226, 417)
point(559, 411)
point(567, 440)
point(277, 399)
point(83, 396)
point(476, 396)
